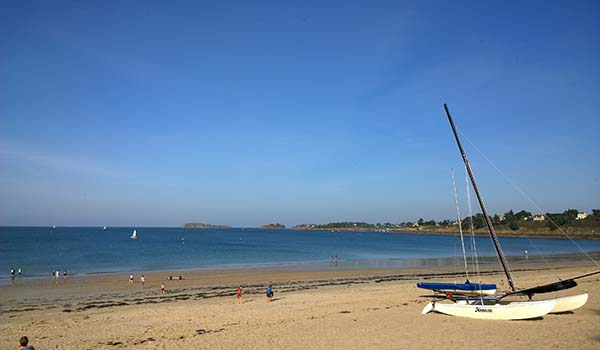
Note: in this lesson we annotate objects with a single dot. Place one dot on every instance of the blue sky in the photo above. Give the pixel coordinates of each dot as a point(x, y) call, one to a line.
point(245, 113)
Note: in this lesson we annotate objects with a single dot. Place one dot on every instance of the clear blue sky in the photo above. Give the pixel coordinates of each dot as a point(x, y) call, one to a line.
point(244, 113)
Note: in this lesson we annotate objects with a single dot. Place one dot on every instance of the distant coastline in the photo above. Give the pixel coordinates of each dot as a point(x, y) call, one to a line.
point(573, 232)
point(201, 225)
point(569, 224)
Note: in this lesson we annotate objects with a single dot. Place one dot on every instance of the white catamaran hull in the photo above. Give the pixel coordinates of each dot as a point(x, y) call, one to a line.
point(569, 303)
point(512, 311)
point(566, 303)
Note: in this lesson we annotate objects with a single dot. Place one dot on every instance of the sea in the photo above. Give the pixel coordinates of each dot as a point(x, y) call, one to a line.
point(94, 250)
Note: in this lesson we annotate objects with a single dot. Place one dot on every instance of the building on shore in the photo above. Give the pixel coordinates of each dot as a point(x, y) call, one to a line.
point(539, 217)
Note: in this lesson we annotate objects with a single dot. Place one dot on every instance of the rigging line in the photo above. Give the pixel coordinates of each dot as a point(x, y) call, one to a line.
point(472, 230)
point(473, 245)
point(528, 198)
point(462, 241)
point(544, 260)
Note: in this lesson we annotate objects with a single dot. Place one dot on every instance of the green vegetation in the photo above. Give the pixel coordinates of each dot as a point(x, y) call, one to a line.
point(347, 226)
point(510, 223)
point(276, 226)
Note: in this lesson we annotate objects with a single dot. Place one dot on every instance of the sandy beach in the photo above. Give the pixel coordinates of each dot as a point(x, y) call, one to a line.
point(322, 309)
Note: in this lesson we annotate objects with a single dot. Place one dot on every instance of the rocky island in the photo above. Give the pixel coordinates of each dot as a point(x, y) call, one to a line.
point(276, 226)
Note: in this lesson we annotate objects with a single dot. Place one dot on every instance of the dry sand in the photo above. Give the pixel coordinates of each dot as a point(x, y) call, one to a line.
point(329, 309)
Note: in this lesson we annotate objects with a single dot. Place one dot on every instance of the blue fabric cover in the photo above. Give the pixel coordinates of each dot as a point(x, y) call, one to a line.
point(467, 286)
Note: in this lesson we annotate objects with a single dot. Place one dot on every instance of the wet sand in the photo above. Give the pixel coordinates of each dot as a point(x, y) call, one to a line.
point(316, 309)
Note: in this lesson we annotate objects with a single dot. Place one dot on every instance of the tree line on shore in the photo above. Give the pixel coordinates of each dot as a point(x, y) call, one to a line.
point(509, 220)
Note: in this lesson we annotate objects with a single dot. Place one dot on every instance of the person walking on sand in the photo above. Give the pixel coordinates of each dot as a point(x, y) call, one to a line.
point(142, 280)
point(130, 278)
point(64, 274)
point(23, 344)
point(162, 288)
point(238, 293)
point(19, 270)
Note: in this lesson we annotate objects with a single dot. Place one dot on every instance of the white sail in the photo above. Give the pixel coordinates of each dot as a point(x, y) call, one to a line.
point(134, 235)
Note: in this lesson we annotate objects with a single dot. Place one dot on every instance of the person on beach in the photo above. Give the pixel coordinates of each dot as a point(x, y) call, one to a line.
point(19, 270)
point(142, 280)
point(162, 288)
point(23, 344)
point(64, 274)
point(130, 278)
point(238, 293)
point(12, 272)
point(526, 254)
point(269, 293)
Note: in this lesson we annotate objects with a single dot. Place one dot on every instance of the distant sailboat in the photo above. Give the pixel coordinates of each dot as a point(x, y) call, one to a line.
point(134, 235)
point(53, 226)
point(104, 228)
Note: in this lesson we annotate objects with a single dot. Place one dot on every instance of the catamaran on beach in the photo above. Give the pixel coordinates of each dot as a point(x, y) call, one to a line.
point(495, 306)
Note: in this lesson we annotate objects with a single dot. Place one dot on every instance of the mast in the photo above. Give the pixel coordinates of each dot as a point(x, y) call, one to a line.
point(486, 217)
point(462, 241)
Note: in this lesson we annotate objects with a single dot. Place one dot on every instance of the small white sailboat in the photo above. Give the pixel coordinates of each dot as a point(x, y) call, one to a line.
point(134, 235)
point(104, 228)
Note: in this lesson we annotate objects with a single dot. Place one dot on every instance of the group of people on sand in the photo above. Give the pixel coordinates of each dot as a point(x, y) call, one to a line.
point(239, 292)
point(334, 260)
point(268, 294)
point(15, 272)
point(142, 279)
point(56, 274)
point(163, 288)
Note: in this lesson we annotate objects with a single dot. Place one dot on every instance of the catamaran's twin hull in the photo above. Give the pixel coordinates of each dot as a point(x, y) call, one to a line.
point(511, 311)
point(519, 310)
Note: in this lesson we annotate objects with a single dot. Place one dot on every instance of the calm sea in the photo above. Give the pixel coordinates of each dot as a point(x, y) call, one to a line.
point(85, 250)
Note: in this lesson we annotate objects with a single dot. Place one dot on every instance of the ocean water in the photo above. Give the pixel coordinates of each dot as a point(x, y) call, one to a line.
point(86, 250)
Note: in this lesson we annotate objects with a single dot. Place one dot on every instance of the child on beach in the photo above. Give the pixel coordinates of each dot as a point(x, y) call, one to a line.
point(23, 344)
point(269, 293)
point(239, 295)
point(130, 278)
point(162, 288)
point(143, 280)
